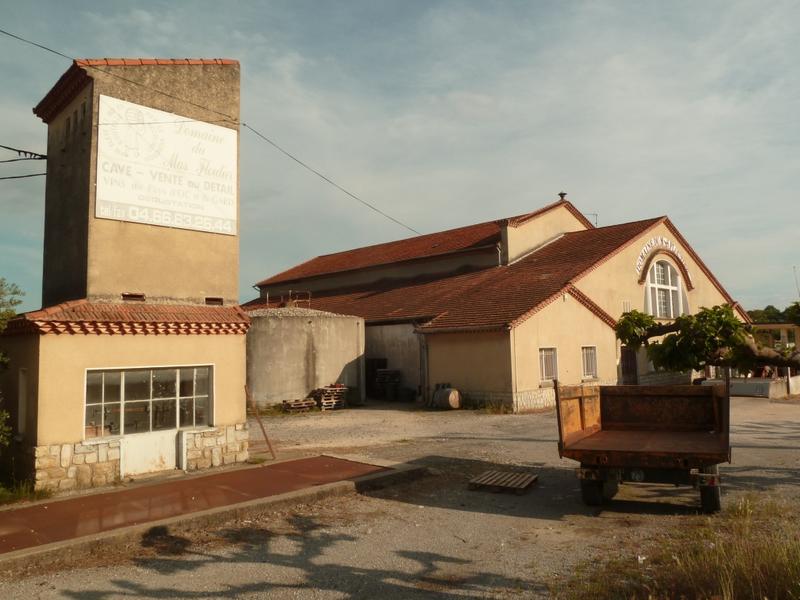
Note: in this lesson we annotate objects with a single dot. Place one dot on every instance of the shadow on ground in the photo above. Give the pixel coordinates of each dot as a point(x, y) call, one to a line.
point(555, 496)
point(417, 575)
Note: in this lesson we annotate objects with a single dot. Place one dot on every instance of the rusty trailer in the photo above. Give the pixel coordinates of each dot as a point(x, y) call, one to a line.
point(661, 434)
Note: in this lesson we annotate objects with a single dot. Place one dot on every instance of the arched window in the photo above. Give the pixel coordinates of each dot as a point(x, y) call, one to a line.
point(665, 295)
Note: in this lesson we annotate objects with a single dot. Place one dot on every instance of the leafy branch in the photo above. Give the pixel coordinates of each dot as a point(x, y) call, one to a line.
point(713, 336)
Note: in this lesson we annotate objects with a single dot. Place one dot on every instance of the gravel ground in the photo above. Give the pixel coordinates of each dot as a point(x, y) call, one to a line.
point(431, 538)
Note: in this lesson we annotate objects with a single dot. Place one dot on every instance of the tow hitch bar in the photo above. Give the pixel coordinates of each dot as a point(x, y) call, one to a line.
point(704, 479)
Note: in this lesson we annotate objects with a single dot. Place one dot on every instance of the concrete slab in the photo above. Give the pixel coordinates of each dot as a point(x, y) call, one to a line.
point(56, 524)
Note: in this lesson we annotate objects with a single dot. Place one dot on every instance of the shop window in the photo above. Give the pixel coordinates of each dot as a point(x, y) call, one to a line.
point(548, 364)
point(144, 400)
point(589, 359)
point(665, 298)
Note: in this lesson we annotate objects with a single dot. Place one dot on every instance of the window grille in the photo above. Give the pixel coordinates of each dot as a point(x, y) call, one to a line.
point(589, 356)
point(548, 366)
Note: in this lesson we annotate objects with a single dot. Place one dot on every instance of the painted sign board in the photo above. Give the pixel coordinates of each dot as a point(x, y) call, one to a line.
point(160, 168)
point(658, 243)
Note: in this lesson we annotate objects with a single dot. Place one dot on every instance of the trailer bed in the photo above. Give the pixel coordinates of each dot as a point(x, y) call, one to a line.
point(671, 443)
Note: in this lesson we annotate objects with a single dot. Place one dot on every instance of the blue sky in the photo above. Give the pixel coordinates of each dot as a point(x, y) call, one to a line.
point(450, 113)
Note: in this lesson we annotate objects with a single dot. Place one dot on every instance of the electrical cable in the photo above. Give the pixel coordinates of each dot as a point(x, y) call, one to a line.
point(23, 176)
point(230, 117)
point(333, 183)
point(25, 153)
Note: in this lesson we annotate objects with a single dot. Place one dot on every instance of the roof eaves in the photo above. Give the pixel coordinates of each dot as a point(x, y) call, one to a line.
point(463, 328)
point(272, 280)
point(522, 219)
point(704, 268)
point(655, 221)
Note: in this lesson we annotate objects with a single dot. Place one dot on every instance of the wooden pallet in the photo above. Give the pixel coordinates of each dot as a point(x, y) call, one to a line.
point(299, 405)
point(330, 397)
point(331, 404)
point(503, 481)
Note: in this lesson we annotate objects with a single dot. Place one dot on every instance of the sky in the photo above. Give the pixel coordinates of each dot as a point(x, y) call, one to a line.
point(447, 113)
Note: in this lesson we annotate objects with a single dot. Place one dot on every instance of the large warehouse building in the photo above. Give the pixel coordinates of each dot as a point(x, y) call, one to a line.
point(500, 310)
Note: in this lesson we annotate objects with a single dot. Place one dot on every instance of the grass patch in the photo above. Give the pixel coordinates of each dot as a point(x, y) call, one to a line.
point(750, 550)
point(20, 491)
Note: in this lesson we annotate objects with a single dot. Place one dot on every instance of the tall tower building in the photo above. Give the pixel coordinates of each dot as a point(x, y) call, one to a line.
point(137, 359)
point(142, 184)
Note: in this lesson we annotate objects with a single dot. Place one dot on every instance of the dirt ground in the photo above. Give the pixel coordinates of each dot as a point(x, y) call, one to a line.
point(431, 538)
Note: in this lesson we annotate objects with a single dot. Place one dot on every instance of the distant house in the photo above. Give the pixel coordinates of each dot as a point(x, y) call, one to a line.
point(501, 309)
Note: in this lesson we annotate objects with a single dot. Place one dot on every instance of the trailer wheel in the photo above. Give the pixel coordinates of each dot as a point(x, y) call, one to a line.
point(711, 497)
point(592, 492)
point(610, 488)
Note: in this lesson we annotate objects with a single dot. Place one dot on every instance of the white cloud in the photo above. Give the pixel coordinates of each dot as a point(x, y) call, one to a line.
point(449, 113)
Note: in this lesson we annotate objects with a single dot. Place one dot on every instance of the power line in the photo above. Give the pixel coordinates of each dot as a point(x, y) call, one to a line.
point(25, 153)
point(325, 178)
point(23, 176)
point(10, 160)
point(229, 117)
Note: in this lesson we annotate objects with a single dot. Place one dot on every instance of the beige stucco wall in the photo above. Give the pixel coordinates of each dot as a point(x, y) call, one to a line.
point(400, 346)
point(102, 258)
point(67, 190)
point(290, 356)
point(470, 362)
point(566, 325)
point(621, 270)
point(23, 353)
point(65, 358)
point(518, 241)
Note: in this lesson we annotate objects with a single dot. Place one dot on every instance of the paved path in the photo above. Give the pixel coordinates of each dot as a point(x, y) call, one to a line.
point(75, 517)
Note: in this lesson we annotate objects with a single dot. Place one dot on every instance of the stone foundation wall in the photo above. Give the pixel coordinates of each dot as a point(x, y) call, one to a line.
point(69, 466)
point(217, 446)
point(666, 378)
point(63, 467)
point(519, 402)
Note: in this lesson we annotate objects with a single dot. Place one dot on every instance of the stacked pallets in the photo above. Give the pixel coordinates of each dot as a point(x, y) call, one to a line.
point(299, 405)
point(331, 397)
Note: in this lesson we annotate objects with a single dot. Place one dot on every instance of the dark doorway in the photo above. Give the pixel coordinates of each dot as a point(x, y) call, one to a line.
point(630, 372)
point(371, 367)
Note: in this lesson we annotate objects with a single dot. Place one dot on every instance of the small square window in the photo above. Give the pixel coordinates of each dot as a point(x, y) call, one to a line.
point(548, 367)
point(589, 359)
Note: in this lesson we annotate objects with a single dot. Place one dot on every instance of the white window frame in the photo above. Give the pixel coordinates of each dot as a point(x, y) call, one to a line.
point(671, 285)
point(589, 376)
point(212, 408)
point(542, 351)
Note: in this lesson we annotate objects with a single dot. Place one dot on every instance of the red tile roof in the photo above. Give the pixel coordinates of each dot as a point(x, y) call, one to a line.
point(499, 297)
point(85, 317)
point(76, 77)
point(461, 239)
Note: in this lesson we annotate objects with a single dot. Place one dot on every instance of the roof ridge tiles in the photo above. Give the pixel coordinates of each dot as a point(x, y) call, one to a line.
point(109, 318)
point(457, 239)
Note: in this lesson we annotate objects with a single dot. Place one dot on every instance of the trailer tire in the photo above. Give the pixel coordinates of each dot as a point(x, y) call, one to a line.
point(610, 488)
point(711, 497)
point(592, 492)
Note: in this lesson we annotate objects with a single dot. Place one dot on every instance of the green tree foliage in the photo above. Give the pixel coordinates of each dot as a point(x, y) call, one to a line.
point(792, 313)
point(771, 314)
point(713, 336)
point(9, 300)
